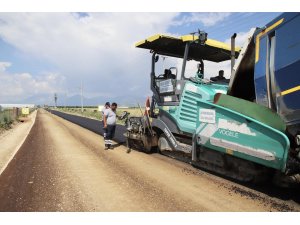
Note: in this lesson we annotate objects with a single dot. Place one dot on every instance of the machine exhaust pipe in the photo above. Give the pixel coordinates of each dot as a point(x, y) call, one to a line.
point(232, 51)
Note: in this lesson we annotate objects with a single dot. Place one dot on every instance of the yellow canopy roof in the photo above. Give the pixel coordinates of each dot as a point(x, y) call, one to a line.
point(212, 50)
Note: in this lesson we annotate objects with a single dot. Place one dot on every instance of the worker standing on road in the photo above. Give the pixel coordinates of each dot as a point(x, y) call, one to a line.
point(109, 121)
point(105, 107)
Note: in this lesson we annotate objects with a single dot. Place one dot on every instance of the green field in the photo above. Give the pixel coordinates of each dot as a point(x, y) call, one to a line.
point(6, 119)
point(92, 112)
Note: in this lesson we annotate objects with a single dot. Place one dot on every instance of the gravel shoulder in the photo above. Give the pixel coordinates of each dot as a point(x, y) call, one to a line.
point(12, 139)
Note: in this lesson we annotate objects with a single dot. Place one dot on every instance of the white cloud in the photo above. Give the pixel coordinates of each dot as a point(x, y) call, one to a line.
point(211, 69)
point(240, 39)
point(17, 87)
point(207, 19)
point(98, 48)
point(4, 65)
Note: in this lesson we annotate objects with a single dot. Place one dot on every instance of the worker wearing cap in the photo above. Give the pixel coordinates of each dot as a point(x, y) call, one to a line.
point(109, 123)
point(105, 107)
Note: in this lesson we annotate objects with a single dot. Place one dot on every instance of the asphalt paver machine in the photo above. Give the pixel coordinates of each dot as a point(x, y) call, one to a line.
point(246, 127)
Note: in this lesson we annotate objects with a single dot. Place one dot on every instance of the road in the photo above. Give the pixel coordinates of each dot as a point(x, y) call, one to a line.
point(62, 167)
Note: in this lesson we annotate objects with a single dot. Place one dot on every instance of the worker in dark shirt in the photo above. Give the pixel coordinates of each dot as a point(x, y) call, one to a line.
point(220, 78)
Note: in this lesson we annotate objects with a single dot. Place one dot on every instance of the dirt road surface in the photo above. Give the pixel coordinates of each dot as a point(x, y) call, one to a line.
point(63, 167)
point(12, 139)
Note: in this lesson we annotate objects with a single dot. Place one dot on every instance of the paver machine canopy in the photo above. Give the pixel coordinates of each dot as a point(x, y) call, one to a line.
point(188, 47)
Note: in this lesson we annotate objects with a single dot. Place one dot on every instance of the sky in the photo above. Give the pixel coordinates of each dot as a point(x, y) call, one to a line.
point(46, 53)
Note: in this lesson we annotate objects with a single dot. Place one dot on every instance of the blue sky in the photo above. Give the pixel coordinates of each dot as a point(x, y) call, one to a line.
point(227, 25)
point(44, 53)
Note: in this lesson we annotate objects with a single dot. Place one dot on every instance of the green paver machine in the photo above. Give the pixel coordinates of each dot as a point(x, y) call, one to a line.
point(244, 128)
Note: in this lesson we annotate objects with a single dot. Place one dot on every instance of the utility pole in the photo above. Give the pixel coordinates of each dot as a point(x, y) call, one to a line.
point(81, 92)
point(55, 100)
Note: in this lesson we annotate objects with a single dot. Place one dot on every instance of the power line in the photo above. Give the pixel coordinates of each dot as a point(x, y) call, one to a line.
point(238, 23)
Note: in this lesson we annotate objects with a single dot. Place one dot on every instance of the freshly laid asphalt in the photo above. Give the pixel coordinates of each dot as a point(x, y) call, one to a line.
point(92, 125)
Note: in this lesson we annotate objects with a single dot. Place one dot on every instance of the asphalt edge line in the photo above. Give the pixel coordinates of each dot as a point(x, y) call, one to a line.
point(83, 126)
point(92, 118)
point(75, 115)
point(18, 147)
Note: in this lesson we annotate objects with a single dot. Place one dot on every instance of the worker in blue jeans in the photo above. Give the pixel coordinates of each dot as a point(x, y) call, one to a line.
point(109, 123)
